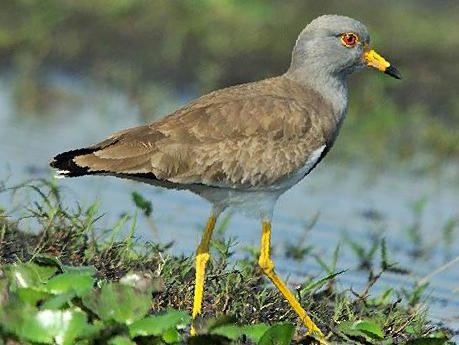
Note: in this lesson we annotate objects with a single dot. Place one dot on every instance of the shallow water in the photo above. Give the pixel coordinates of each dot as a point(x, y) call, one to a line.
point(352, 201)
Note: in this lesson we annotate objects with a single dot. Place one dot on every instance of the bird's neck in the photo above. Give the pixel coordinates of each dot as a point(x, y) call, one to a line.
point(331, 86)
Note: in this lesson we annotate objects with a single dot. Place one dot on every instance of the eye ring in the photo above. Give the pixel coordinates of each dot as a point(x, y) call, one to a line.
point(349, 39)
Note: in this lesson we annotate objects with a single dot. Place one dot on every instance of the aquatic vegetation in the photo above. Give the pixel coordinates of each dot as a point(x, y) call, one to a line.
point(70, 284)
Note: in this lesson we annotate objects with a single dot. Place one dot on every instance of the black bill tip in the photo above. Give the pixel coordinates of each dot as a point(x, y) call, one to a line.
point(393, 72)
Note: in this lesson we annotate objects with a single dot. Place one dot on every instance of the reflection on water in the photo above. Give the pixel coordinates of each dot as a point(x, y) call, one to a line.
point(351, 202)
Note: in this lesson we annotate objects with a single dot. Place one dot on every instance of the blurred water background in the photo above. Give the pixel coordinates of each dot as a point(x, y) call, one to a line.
point(71, 72)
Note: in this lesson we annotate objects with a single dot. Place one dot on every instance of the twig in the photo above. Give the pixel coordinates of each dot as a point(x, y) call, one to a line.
point(372, 279)
point(442, 268)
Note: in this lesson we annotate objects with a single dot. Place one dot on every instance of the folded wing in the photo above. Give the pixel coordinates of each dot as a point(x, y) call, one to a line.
point(247, 136)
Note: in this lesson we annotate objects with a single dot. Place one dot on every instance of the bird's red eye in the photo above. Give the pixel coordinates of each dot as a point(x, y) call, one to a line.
point(349, 39)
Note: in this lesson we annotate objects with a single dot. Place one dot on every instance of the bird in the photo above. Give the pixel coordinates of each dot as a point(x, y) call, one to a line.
point(243, 146)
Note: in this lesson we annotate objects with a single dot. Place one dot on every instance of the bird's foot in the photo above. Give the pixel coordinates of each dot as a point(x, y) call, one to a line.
point(318, 336)
point(192, 331)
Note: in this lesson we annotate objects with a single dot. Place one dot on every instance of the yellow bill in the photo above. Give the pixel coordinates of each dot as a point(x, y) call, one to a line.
point(373, 59)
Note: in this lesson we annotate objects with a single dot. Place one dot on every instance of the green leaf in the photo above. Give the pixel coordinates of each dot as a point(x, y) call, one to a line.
point(280, 334)
point(383, 299)
point(347, 328)
point(158, 324)
point(28, 275)
point(120, 340)
point(370, 328)
point(319, 283)
point(46, 326)
point(31, 295)
point(204, 326)
point(67, 326)
point(76, 282)
point(234, 332)
point(427, 341)
point(58, 301)
point(171, 336)
point(48, 260)
point(4, 292)
point(142, 203)
point(362, 328)
point(118, 302)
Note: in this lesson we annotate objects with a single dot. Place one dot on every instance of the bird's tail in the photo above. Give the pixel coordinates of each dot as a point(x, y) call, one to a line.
point(65, 164)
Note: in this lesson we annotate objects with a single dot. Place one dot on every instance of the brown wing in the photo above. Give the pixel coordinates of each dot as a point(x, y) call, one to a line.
point(251, 135)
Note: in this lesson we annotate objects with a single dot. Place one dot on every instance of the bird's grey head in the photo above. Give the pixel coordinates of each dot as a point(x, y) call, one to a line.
point(335, 46)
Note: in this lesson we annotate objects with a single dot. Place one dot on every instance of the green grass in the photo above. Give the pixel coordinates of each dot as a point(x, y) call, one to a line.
point(68, 284)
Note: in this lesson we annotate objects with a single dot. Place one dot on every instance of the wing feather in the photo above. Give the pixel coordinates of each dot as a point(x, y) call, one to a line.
point(247, 136)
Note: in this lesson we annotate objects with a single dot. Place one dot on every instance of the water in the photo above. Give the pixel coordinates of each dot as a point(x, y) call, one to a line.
point(345, 197)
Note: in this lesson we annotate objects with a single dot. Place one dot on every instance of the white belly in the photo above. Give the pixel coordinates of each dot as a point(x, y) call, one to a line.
point(297, 176)
point(258, 203)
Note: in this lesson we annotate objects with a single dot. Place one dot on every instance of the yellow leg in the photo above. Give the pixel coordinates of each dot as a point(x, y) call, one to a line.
point(202, 257)
point(267, 265)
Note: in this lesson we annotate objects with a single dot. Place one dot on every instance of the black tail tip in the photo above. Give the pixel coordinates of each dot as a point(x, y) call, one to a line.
point(65, 165)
